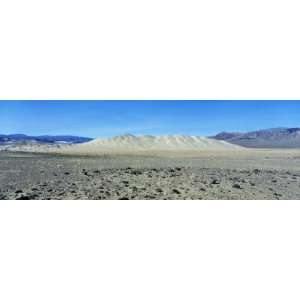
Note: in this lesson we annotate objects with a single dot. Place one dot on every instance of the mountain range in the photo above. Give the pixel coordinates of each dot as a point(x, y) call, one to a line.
point(20, 138)
point(267, 138)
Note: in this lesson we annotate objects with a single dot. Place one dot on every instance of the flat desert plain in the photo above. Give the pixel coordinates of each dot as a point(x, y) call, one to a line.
point(249, 174)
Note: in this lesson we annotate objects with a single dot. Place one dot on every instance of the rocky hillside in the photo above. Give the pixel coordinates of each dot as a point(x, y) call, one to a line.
point(268, 138)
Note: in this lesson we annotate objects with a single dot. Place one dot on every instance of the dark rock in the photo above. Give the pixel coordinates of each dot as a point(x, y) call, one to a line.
point(136, 172)
point(215, 181)
point(123, 198)
point(67, 173)
point(236, 186)
point(176, 191)
point(27, 197)
point(19, 191)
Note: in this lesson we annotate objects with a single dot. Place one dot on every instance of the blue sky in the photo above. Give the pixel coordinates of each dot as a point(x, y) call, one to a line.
point(109, 118)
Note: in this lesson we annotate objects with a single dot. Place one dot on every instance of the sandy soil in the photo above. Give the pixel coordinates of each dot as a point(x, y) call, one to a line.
point(255, 174)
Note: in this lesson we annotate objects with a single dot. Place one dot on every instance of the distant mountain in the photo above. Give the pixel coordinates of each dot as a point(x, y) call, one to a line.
point(20, 138)
point(267, 138)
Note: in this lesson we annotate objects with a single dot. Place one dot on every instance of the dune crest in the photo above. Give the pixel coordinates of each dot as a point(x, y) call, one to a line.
point(164, 142)
point(131, 143)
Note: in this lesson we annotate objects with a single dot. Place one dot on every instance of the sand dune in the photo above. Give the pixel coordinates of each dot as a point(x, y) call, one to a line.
point(167, 142)
point(129, 143)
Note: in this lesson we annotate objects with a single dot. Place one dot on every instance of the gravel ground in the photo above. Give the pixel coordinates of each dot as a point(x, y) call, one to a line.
point(252, 176)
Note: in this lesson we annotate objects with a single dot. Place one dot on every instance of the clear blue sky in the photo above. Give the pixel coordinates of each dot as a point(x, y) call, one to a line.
point(109, 118)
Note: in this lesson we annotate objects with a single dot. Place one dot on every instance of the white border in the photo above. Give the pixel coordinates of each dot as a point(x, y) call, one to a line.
point(149, 250)
point(160, 49)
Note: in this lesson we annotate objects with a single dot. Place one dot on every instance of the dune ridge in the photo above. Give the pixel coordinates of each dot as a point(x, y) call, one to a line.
point(167, 142)
point(130, 143)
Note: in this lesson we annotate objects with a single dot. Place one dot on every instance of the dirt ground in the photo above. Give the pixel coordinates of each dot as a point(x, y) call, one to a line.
point(256, 174)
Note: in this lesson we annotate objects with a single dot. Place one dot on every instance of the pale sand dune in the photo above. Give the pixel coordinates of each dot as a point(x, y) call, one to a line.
point(130, 144)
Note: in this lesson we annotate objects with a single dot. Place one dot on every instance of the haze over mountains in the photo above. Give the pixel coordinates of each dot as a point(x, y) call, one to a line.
point(267, 138)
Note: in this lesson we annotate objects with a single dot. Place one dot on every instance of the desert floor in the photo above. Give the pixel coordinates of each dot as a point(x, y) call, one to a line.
point(251, 174)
